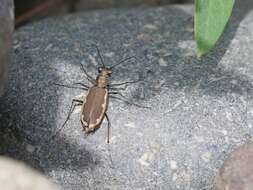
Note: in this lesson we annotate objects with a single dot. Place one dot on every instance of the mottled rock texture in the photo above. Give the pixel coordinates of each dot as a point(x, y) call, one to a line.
point(201, 109)
point(6, 29)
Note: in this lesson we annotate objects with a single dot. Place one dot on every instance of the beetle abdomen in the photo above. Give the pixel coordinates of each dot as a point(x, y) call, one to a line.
point(94, 108)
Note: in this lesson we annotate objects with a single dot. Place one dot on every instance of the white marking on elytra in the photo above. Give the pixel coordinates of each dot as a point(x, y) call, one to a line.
point(82, 116)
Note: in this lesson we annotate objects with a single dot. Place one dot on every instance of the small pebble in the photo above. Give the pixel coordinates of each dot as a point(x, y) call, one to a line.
point(150, 27)
point(163, 52)
point(49, 46)
point(173, 165)
point(229, 116)
point(144, 160)
point(206, 157)
point(224, 132)
point(145, 37)
point(131, 125)
point(174, 177)
point(162, 62)
point(92, 59)
point(189, 29)
point(30, 148)
point(109, 54)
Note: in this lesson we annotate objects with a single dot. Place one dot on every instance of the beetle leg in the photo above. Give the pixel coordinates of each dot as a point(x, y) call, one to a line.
point(124, 99)
point(123, 88)
point(89, 78)
point(114, 92)
point(69, 86)
point(108, 127)
point(118, 93)
point(125, 83)
point(74, 103)
point(83, 85)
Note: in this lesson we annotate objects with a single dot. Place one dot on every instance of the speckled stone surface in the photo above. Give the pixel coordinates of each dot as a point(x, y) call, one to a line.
point(6, 20)
point(201, 109)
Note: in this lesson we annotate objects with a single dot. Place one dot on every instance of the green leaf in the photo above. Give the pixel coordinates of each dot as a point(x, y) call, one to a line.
point(210, 20)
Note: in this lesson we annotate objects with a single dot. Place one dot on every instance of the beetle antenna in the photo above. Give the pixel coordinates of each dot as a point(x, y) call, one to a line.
point(133, 57)
point(78, 46)
point(99, 55)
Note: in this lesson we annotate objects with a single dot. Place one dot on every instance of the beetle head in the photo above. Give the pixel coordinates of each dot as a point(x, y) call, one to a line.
point(105, 71)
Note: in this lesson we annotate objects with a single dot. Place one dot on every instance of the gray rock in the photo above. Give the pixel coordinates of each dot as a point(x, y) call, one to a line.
point(7, 23)
point(95, 4)
point(237, 171)
point(201, 109)
point(15, 175)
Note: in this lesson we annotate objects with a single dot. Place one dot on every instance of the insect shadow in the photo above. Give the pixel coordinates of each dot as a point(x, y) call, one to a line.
point(94, 105)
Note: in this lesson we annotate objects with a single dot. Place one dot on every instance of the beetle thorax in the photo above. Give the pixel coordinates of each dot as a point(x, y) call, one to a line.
point(102, 80)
